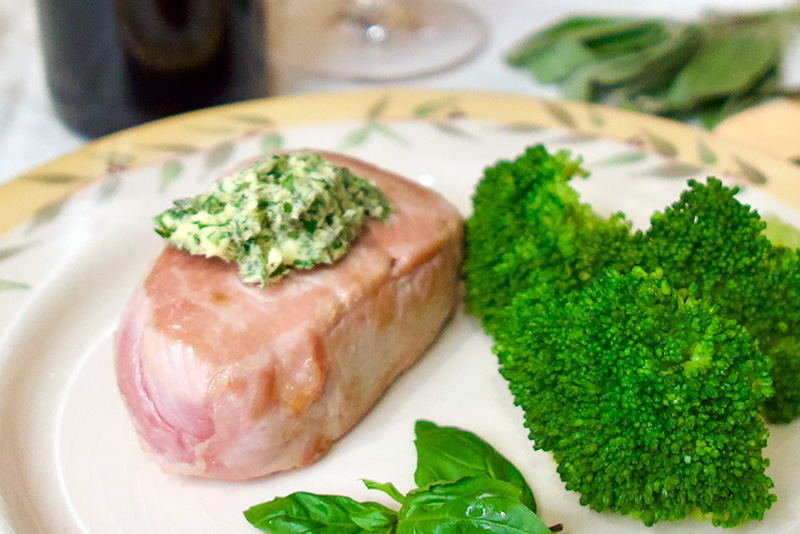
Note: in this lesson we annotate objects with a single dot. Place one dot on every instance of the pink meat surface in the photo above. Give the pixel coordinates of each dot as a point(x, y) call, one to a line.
point(226, 380)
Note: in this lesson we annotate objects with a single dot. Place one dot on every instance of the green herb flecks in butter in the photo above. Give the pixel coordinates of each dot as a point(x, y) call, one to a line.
point(290, 211)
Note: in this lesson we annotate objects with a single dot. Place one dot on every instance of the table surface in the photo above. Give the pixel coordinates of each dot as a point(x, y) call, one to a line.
point(30, 133)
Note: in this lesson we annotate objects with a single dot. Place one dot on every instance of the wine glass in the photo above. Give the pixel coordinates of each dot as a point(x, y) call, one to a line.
point(371, 40)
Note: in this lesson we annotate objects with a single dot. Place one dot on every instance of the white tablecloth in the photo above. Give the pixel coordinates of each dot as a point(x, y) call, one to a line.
point(30, 133)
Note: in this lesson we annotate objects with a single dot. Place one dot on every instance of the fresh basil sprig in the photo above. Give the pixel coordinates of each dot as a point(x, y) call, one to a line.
point(470, 504)
point(465, 486)
point(447, 453)
point(707, 70)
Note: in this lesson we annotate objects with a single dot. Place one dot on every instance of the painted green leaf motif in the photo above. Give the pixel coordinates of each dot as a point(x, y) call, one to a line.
point(597, 118)
point(215, 130)
point(675, 169)
point(780, 233)
point(377, 109)
point(705, 153)
point(174, 148)
point(573, 139)
point(751, 173)
point(453, 129)
point(47, 213)
point(257, 120)
point(170, 172)
point(661, 145)
point(53, 178)
point(9, 252)
point(271, 143)
point(389, 132)
point(623, 158)
point(219, 155)
point(523, 127)
point(117, 158)
point(6, 285)
point(560, 113)
point(427, 109)
point(796, 161)
point(357, 137)
point(109, 186)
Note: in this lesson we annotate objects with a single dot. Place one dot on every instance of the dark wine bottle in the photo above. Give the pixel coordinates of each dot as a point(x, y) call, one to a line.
point(111, 64)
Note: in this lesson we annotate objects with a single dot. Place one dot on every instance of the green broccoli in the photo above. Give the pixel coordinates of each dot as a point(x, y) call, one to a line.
point(529, 228)
point(648, 399)
point(647, 388)
point(708, 238)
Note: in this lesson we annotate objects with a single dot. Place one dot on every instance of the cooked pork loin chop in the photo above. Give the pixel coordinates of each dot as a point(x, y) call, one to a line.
point(226, 380)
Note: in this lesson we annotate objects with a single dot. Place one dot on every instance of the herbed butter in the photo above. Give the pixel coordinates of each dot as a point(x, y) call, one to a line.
point(291, 211)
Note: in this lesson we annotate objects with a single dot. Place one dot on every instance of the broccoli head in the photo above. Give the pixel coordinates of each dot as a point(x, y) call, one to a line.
point(711, 240)
point(647, 397)
point(528, 227)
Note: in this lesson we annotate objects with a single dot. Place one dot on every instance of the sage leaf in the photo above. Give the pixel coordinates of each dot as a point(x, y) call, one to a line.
point(449, 453)
point(321, 514)
point(669, 67)
point(535, 43)
point(711, 74)
point(471, 504)
point(563, 58)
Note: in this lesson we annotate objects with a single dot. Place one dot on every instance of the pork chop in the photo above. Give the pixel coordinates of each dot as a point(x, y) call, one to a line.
point(226, 380)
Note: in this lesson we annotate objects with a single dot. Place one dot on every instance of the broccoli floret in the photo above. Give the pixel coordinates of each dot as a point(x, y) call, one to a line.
point(529, 228)
point(711, 240)
point(773, 316)
point(648, 399)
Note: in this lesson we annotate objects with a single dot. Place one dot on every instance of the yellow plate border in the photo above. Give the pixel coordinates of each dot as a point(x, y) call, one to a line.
point(150, 143)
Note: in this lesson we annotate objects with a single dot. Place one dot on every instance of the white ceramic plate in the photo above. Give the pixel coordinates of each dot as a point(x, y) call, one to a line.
point(69, 458)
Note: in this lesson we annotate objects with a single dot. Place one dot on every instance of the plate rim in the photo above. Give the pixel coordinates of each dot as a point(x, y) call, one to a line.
point(50, 184)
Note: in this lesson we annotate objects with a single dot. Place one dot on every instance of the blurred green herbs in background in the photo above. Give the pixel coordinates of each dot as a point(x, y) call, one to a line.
point(705, 70)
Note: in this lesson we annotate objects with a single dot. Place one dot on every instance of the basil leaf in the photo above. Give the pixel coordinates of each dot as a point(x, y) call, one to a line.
point(321, 514)
point(387, 487)
point(471, 504)
point(448, 454)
